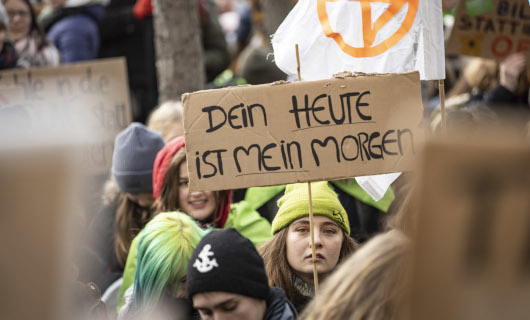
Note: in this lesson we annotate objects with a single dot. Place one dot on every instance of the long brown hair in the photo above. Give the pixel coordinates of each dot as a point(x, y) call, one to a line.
point(169, 195)
point(274, 254)
point(130, 219)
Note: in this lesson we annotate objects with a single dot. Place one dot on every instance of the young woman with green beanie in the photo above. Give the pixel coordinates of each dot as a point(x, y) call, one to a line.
point(288, 255)
point(366, 216)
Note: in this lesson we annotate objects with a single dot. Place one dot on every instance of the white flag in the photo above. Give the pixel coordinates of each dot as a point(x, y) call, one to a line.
point(372, 36)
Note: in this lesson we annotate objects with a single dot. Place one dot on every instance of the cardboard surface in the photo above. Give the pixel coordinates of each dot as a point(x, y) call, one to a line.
point(35, 190)
point(91, 95)
point(473, 259)
point(494, 34)
point(302, 131)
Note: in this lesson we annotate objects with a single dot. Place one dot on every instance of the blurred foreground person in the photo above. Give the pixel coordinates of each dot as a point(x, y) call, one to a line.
point(164, 249)
point(370, 285)
point(128, 202)
point(30, 41)
point(288, 255)
point(227, 280)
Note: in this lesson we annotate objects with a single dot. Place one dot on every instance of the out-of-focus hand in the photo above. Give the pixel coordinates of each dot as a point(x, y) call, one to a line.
point(511, 69)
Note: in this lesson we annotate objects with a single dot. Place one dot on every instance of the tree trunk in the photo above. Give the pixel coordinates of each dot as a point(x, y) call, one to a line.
point(179, 57)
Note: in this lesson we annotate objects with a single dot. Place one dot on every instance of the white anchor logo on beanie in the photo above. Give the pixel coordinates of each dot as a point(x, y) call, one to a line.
point(205, 264)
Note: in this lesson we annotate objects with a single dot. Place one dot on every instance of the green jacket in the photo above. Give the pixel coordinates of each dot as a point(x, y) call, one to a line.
point(258, 196)
point(242, 217)
point(364, 213)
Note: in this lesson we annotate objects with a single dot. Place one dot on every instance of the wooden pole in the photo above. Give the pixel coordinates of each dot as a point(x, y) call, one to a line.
point(441, 90)
point(312, 231)
point(298, 63)
point(311, 225)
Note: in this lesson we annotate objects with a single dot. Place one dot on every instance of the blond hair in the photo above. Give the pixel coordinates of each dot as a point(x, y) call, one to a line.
point(369, 285)
point(167, 120)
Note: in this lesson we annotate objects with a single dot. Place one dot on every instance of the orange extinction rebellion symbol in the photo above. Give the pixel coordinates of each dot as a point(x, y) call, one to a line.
point(369, 31)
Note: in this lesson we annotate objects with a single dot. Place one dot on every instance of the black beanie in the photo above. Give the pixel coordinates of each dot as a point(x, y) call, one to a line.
point(225, 261)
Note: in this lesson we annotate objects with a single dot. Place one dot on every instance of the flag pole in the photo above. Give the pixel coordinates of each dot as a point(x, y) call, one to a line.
point(441, 91)
point(311, 225)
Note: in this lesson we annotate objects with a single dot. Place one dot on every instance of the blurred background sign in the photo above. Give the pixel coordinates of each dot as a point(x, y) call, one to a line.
point(83, 103)
point(490, 29)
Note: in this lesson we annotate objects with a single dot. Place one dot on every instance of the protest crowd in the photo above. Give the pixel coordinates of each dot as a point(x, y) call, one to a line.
point(185, 221)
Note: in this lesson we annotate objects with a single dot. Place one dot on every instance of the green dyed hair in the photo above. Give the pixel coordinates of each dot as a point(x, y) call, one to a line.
point(164, 249)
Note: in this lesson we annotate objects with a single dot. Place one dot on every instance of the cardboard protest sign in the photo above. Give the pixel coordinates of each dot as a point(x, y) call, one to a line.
point(302, 131)
point(93, 95)
point(494, 34)
point(473, 258)
point(35, 212)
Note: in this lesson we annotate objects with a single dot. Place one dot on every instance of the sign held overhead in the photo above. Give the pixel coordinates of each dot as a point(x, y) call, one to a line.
point(302, 131)
point(494, 34)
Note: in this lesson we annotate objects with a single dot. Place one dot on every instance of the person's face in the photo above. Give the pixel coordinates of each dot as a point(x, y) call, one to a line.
point(19, 19)
point(198, 205)
point(144, 200)
point(224, 305)
point(328, 243)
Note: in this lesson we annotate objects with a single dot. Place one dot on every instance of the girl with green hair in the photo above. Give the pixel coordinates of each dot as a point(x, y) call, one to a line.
point(164, 249)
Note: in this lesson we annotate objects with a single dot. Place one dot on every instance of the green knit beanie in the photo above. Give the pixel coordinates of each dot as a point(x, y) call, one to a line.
point(295, 204)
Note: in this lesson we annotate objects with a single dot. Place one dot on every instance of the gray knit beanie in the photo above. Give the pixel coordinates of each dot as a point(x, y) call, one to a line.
point(3, 17)
point(135, 150)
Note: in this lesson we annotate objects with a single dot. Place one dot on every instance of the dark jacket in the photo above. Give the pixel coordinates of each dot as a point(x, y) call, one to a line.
point(300, 302)
point(123, 35)
point(501, 98)
point(216, 55)
point(103, 264)
point(279, 307)
point(74, 31)
point(8, 56)
point(502, 95)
